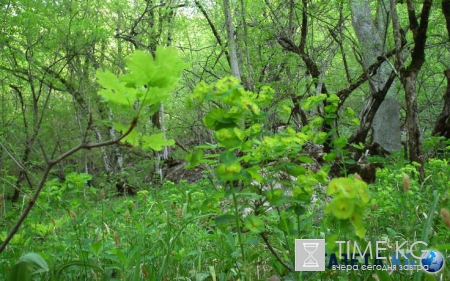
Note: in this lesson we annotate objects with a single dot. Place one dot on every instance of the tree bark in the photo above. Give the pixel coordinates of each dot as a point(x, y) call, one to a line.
point(371, 35)
point(234, 63)
point(408, 75)
point(442, 126)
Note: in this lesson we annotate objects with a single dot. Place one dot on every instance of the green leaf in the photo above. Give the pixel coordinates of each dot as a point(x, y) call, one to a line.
point(349, 161)
point(81, 263)
point(153, 96)
point(299, 210)
point(329, 157)
point(286, 110)
point(340, 142)
point(114, 91)
point(349, 112)
point(142, 70)
point(305, 159)
point(169, 66)
point(295, 170)
point(254, 224)
point(26, 266)
point(224, 219)
point(96, 247)
point(156, 142)
point(209, 205)
point(253, 171)
point(227, 157)
point(194, 158)
point(218, 119)
point(313, 101)
point(341, 208)
point(239, 133)
point(132, 138)
point(229, 172)
point(320, 137)
point(343, 187)
point(287, 226)
point(160, 74)
point(275, 196)
point(228, 138)
point(108, 80)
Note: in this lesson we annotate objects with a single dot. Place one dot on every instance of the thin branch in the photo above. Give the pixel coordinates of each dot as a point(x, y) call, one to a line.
point(213, 29)
point(47, 170)
point(272, 250)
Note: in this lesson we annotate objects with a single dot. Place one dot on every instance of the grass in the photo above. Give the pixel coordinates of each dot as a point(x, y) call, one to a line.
point(172, 232)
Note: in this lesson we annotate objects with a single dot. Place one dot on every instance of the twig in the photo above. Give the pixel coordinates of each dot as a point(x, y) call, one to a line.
point(272, 250)
point(48, 168)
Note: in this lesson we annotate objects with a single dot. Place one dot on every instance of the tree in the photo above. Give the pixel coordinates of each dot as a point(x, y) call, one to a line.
point(408, 74)
point(442, 126)
point(148, 83)
point(43, 80)
point(372, 35)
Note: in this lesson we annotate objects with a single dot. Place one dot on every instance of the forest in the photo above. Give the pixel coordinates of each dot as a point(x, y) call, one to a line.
point(224, 140)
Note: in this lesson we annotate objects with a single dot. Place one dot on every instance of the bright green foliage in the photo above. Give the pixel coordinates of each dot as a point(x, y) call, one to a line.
point(350, 197)
point(155, 142)
point(254, 224)
point(271, 170)
point(229, 172)
point(147, 84)
point(194, 158)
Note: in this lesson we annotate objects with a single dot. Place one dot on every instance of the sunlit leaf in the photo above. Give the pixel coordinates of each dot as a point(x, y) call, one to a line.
point(228, 138)
point(194, 158)
point(340, 142)
point(341, 208)
point(229, 172)
point(218, 119)
point(132, 138)
point(254, 224)
point(156, 142)
point(209, 205)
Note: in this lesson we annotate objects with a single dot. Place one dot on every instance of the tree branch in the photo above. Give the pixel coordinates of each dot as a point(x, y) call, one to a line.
point(48, 168)
point(272, 250)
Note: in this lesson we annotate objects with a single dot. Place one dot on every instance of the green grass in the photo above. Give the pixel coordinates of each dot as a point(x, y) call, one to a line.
point(172, 232)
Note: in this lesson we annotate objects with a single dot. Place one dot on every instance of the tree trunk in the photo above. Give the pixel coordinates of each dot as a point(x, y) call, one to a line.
point(371, 35)
point(244, 46)
point(234, 63)
point(408, 75)
point(442, 126)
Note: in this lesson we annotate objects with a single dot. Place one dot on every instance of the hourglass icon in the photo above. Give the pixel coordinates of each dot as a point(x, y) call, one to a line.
point(310, 248)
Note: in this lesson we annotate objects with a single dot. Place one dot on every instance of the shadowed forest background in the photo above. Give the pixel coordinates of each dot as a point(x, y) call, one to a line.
point(196, 140)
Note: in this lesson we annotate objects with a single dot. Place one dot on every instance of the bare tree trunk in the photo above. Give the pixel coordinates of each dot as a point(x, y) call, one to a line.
point(103, 151)
point(244, 47)
point(234, 63)
point(159, 122)
point(372, 36)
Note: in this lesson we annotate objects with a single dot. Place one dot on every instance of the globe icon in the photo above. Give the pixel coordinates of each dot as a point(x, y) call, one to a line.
point(432, 261)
